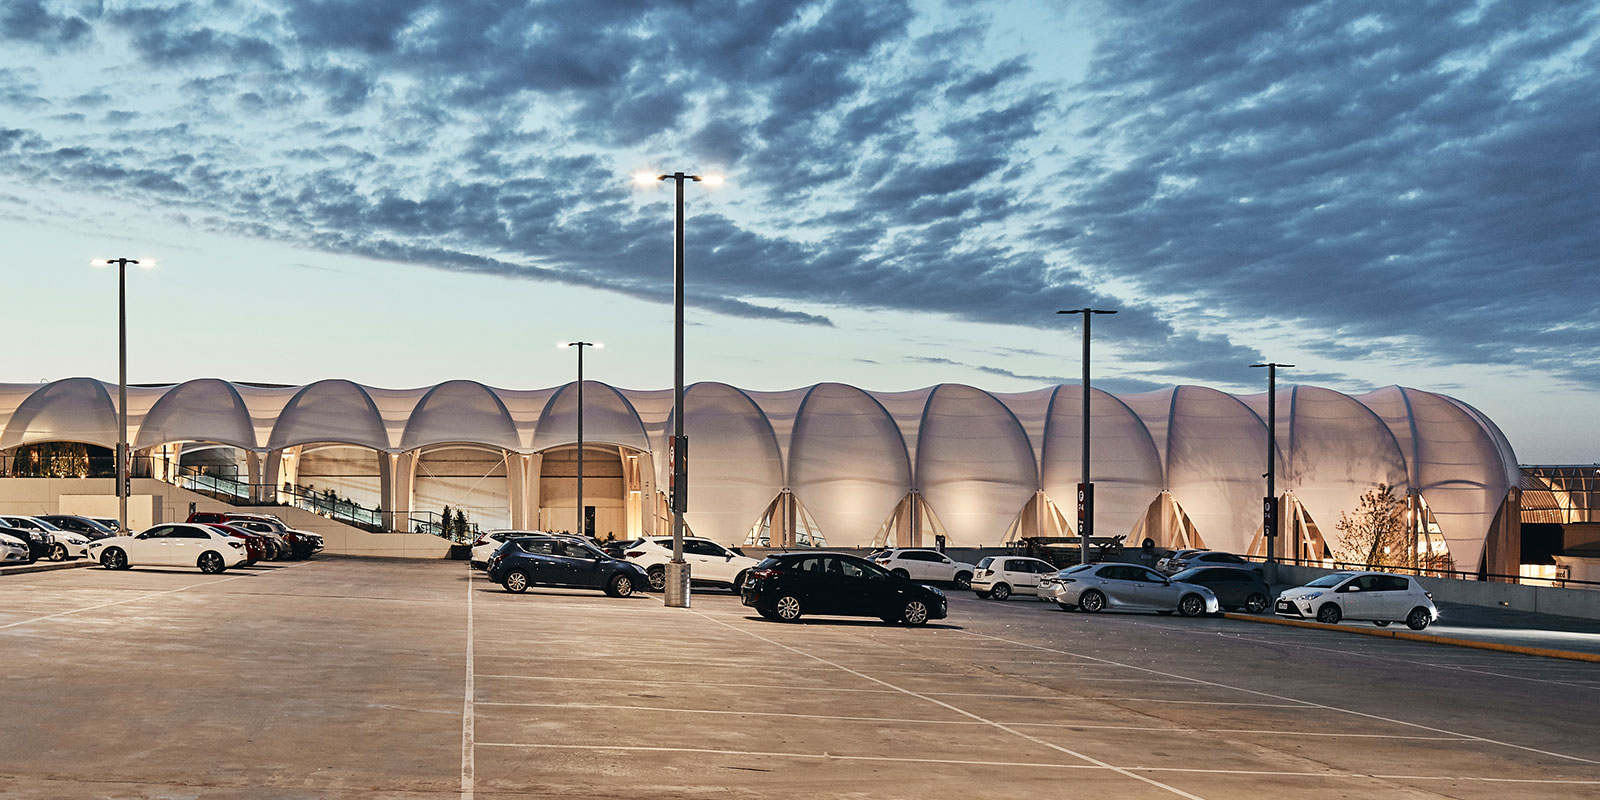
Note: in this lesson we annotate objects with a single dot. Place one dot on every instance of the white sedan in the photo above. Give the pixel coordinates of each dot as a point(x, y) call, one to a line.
point(175, 545)
point(67, 544)
point(13, 550)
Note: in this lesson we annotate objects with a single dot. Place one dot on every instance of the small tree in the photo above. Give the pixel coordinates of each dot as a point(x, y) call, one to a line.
point(444, 523)
point(461, 525)
point(1376, 534)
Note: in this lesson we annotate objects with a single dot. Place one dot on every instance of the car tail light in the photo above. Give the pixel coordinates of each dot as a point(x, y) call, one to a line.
point(1429, 594)
point(763, 573)
point(480, 540)
point(236, 545)
point(634, 553)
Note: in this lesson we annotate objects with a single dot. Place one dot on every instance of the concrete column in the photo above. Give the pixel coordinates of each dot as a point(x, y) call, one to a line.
point(649, 503)
point(532, 483)
point(781, 533)
point(516, 488)
point(404, 483)
point(386, 468)
point(254, 469)
point(1502, 548)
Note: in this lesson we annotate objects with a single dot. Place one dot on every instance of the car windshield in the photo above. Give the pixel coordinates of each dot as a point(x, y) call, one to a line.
point(1077, 569)
point(983, 563)
point(1193, 572)
point(1328, 581)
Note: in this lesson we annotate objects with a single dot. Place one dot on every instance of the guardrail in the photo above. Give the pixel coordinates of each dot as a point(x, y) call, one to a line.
point(1432, 572)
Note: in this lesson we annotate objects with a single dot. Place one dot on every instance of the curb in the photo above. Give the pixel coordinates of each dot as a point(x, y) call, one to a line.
point(1412, 636)
point(47, 566)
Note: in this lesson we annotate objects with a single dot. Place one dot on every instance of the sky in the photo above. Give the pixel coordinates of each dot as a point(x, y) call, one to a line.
point(402, 192)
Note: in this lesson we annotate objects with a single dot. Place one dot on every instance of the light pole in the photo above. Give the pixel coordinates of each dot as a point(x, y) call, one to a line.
point(1269, 506)
point(122, 384)
point(677, 574)
point(583, 528)
point(1086, 488)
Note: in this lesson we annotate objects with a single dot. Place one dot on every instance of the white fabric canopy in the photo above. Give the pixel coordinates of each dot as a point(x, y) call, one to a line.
point(847, 463)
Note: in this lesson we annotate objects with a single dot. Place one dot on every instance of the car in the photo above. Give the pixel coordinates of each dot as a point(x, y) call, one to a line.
point(1235, 588)
point(618, 548)
point(32, 531)
point(13, 550)
point(1184, 559)
point(1376, 597)
point(171, 545)
point(111, 524)
point(709, 562)
point(80, 525)
point(60, 545)
point(486, 545)
point(549, 560)
point(785, 586)
point(920, 564)
point(257, 546)
point(1126, 587)
point(999, 577)
point(302, 544)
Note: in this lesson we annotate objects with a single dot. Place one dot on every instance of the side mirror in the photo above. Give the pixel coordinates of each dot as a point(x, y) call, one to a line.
point(727, 556)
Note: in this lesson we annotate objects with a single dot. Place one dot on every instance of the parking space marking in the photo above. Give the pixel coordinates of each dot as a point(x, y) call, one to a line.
point(468, 746)
point(126, 600)
point(998, 726)
point(775, 687)
point(1307, 703)
point(1164, 701)
point(674, 663)
point(1095, 765)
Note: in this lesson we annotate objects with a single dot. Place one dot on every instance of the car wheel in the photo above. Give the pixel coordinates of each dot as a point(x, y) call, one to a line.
point(738, 582)
point(1329, 614)
point(114, 558)
point(516, 581)
point(964, 580)
point(210, 563)
point(58, 552)
point(620, 586)
point(1418, 619)
point(1255, 603)
point(1092, 601)
point(1191, 605)
point(1002, 591)
point(900, 572)
point(658, 578)
point(915, 613)
point(787, 608)
point(1382, 623)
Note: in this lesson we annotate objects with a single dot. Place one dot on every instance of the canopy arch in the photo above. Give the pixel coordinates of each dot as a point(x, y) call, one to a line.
point(69, 410)
point(735, 469)
point(975, 465)
point(460, 412)
point(1123, 461)
point(203, 410)
point(330, 411)
point(608, 417)
point(848, 463)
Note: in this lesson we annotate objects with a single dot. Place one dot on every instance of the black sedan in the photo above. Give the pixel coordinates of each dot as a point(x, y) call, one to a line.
point(1235, 588)
point(562, 561)
point(784, 586)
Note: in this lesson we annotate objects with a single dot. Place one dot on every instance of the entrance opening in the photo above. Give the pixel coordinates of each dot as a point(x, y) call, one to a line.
point(606, 511)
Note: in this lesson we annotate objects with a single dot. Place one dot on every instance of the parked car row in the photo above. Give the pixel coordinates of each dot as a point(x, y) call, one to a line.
point(56, 537)
point(273, 539)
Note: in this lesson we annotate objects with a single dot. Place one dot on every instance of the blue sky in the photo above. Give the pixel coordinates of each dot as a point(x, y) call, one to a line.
point(411, 191)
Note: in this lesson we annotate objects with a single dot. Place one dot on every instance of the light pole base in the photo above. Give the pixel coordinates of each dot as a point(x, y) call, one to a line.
point(677, 588)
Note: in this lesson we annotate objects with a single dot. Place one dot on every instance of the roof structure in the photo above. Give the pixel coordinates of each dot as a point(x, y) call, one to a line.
point(851, 455)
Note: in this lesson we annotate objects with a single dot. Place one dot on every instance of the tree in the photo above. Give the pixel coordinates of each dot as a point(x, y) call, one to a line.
point(444, 523)
point(461, 525)
point(1376, 534)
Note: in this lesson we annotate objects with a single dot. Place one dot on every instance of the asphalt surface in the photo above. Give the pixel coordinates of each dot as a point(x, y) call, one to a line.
point(356, 678)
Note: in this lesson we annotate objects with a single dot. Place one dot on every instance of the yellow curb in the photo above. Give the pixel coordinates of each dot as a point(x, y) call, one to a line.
point(1422, 637)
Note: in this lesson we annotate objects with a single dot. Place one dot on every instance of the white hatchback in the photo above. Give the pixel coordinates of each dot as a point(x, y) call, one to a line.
point(491, 541)
point(1376, 597)
point(708, 561)
point(999, 577)
point(919, 564)
point(177, 545)
point(13, 550)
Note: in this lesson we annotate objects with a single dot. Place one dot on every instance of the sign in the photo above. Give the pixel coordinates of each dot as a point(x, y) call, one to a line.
point(1086, 509)
point(678, 473)
point(1269, 517)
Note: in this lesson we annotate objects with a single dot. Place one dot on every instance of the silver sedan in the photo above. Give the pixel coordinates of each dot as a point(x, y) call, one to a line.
point(1125, 587)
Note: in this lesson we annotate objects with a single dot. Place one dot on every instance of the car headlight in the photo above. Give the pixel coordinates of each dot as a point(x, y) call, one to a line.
point(1312, 596)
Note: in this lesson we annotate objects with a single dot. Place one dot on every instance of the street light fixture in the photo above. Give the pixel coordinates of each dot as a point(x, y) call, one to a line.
point(1269, 506)
point(583, 527)
point(1086, 488)
point(122, 379)
point(677, 573)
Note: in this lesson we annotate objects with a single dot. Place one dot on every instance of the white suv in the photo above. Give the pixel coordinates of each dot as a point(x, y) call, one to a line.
point(1000, 577)
point(1376, 597)
point(708, 561)
point(925, 565)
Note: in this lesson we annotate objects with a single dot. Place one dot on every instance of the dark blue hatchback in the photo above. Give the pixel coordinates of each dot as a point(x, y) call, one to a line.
point(559, 561)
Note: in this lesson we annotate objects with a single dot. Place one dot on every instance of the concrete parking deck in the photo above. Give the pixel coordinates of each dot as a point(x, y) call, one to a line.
point(402, 679)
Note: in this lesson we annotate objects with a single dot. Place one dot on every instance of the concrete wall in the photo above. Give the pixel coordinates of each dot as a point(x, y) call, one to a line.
point(1583, 603)
point(154, 501)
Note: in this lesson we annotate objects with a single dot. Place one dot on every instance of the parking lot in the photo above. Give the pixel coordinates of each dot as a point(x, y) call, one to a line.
point(347, 677)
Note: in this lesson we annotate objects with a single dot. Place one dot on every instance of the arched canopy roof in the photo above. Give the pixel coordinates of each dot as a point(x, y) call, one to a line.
point(1215, 453)
point(735, 470)
point(460, 412)
point(847, 463)
point(70, 410)
point(607, 417)
point(1123, 461)
point(204, 410)
point(974, 464)
point(330, 411)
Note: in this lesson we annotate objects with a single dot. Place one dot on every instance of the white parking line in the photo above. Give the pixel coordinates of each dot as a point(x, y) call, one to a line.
point(1038, 765)
point(468, 747)
point(964, 712)
point(776, 687)
point(127, 600)
point(1305, 703)
point(833, 717)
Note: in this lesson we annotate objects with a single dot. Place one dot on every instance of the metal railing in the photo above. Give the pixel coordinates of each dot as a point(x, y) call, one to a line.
point(1428, 572)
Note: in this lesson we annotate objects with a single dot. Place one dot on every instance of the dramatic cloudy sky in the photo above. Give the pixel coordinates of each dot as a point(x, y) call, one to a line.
point(406, 191)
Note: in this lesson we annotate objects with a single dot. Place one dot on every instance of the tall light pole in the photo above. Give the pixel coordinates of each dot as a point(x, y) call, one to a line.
point(1269, 505)
point(583, 528)
point(122, 384)
point(677, 573)
point(1086, 488)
